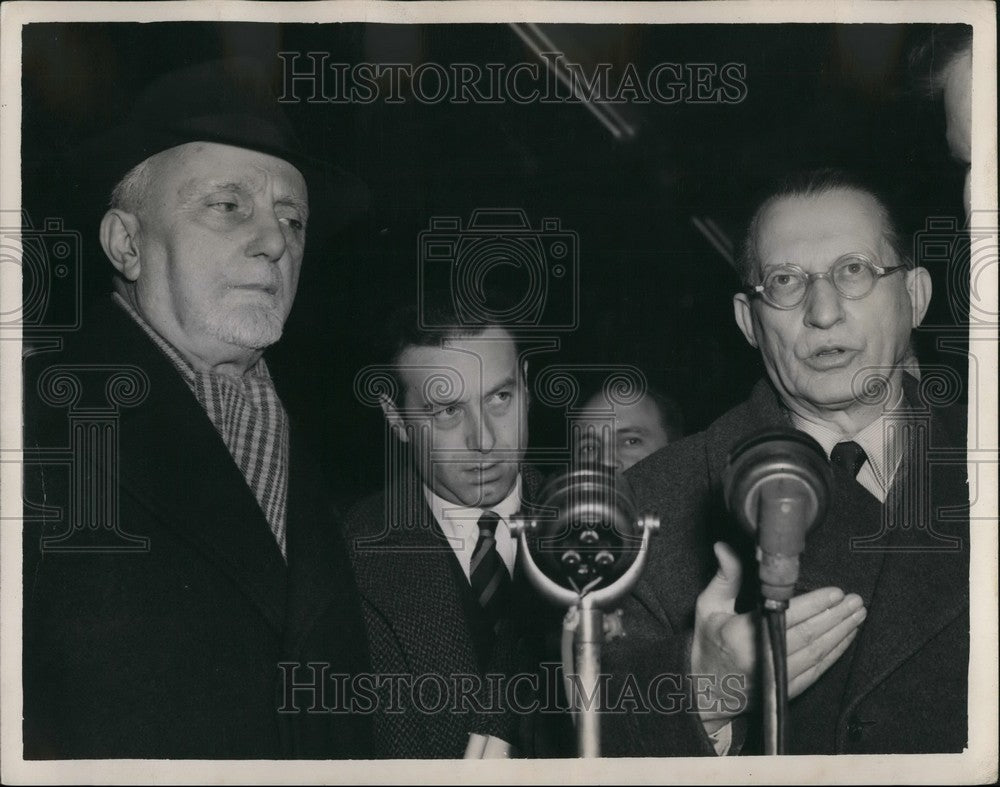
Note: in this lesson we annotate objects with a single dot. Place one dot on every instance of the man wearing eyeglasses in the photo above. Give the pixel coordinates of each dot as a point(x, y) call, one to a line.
point(877, 635)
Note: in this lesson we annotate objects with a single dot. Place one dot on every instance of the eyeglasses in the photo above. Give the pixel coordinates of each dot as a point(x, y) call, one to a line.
point(852, 275)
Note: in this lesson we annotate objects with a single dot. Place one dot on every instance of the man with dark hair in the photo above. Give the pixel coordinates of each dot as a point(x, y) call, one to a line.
point(830, 304)
point(620, 433)
point(434, 556)
point(187, 566)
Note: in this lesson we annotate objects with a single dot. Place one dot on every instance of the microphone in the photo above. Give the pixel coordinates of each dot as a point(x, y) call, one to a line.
point(777, 484)
point(584, 547)
point(586, 530)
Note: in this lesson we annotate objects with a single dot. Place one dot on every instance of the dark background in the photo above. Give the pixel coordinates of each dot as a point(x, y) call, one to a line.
point(653, 291)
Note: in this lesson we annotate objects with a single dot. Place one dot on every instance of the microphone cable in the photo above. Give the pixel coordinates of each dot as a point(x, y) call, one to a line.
point(776, 709)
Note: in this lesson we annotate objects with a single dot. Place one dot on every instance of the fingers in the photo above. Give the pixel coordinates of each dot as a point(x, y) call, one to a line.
point(816, 651)
point(729, 563)
point(805, 679)
point(817, 642)
point(812, 603)
point(810, 632)
point(720, 594)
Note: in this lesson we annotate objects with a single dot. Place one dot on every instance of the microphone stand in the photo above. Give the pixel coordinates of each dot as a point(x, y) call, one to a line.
point(589, 636)
point(776, 484)
point(778, 555)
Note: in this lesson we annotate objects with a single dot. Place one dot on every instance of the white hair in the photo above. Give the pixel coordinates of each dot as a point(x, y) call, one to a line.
point(131, 191)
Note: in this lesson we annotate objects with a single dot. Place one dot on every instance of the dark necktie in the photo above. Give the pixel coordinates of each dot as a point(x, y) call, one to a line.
point(847, 459)
point(487, 573)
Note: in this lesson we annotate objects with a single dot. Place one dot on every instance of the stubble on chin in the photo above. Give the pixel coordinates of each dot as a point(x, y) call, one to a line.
point(250, 327)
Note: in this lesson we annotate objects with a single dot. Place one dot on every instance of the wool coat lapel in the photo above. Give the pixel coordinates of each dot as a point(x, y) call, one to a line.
point(319, 569)
point(181, 472)
point(925, 553)
point(405, 574)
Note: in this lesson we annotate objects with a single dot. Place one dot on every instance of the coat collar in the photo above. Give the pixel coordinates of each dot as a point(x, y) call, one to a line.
point(173, 460)
point(924, 581)
point(319, 569)
point(406, 571)
point(403, 563)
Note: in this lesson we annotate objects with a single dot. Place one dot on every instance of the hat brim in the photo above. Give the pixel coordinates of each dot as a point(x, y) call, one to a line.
point(336, 195)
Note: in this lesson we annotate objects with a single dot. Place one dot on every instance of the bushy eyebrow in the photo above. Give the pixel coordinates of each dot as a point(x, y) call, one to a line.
point(294, 202)
point(507, 382)
point(629, 430)
point(195, 189)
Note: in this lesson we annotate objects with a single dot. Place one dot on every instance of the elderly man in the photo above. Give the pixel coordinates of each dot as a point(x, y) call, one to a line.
point(182, 574)
point(444, 603)
point(619, 434)
point(830, 301)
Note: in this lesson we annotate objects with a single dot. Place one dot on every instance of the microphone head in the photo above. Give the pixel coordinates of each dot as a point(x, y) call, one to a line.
point(778, 462)
point(586, 529)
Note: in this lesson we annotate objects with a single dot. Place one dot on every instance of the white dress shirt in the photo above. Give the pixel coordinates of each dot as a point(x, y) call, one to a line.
point(461, 526)
point(883, 454)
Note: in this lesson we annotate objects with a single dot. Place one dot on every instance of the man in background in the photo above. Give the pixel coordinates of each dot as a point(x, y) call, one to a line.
point(620, 433)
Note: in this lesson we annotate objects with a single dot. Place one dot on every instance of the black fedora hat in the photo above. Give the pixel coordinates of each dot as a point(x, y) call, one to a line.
point(227, 101)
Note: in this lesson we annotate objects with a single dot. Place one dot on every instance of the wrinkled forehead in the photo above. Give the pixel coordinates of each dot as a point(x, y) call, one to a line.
point(460, 368)
point(818, 228)
point(193, 165)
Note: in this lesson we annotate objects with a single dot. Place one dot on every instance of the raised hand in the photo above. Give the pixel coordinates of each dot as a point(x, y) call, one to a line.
point(820, 626)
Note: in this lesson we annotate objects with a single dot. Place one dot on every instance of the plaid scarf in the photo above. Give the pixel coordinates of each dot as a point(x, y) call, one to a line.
point(251, 420)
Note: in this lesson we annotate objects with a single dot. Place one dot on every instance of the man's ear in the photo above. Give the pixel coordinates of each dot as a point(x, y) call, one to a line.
point(119, 233)
point(743, 313)
point(918, 285)
point(394, 418)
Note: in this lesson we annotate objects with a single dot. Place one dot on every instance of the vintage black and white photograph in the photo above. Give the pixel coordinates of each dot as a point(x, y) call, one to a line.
point(388, 386)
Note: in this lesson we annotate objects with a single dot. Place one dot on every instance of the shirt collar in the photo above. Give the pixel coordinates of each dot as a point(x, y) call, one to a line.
point(460, 526)
point(883, 457)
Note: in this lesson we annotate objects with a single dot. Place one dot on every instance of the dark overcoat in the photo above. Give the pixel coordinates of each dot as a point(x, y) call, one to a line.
point(161, 631)
point(902, 686)
point(422, 626)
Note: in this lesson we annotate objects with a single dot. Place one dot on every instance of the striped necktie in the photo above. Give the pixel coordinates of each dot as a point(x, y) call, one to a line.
point(487, 572)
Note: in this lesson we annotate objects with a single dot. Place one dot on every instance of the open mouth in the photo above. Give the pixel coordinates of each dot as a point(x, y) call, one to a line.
point(831, 357)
